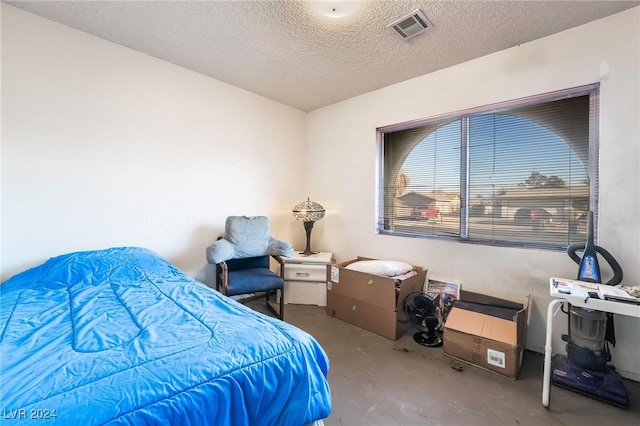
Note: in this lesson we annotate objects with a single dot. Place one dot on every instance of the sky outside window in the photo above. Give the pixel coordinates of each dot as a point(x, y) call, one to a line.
point(501, 154)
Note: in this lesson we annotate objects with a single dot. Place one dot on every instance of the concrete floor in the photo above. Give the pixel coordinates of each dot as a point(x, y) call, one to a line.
point(377, 381)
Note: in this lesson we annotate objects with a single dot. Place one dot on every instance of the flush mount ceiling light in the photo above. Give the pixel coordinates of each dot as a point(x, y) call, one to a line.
point(334, 9)
point(411, 25)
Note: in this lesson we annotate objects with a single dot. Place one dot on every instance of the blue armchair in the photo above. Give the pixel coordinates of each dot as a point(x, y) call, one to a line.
point(241, 257)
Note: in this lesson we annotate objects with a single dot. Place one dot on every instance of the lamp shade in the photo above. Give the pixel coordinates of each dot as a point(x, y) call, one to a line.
point(308, 211)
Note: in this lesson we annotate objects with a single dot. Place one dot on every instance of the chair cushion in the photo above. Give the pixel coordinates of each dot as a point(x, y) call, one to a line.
point(249, 235)
point(220, 251)
point(253, 280)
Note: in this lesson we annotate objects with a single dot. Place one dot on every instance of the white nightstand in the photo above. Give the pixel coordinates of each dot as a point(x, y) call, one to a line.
point(306, 278)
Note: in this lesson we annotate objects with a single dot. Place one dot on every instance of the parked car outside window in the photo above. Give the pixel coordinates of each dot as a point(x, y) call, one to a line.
point(531, 216)
point(425, 212)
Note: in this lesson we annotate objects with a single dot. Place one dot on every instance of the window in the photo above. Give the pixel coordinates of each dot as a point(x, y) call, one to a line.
point(520, 173)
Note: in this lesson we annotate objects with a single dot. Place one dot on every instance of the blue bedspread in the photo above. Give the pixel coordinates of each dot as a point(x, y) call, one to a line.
point(120, 336)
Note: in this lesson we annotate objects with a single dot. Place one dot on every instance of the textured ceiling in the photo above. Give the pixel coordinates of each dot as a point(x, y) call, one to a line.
point(290, 52)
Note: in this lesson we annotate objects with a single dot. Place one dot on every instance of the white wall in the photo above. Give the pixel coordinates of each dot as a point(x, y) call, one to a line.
point(342, 166)
point(104, 146)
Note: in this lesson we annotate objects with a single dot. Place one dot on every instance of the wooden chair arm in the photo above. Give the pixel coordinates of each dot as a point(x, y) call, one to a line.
point(280, 260)
point(224, 276)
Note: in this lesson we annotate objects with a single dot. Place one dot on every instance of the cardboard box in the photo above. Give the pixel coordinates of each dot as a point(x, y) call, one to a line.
point(372, 302)
point(483, 338)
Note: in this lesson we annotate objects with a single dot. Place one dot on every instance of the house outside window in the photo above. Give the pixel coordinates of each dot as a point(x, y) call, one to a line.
point(519, 173)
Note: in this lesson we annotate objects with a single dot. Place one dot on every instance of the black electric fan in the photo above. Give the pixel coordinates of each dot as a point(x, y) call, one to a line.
point(422, 311)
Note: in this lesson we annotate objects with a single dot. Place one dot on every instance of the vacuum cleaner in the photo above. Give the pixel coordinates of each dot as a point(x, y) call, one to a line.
point(584, 368)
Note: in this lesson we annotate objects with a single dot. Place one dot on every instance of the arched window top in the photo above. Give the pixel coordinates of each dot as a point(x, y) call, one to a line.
point(474, 176)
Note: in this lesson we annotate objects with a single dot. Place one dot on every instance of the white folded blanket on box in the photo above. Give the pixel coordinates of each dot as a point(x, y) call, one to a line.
point(385, 268)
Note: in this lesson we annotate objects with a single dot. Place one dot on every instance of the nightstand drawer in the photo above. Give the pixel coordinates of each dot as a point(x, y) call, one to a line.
point(305, 293)
point(305, 272)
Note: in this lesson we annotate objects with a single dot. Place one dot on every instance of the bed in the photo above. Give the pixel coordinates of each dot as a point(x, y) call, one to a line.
point(120, 336)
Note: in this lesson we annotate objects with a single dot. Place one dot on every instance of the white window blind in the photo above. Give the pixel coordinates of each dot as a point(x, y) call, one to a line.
point(519, 173)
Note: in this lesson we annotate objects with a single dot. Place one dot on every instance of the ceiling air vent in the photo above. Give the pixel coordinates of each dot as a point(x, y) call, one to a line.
point(411, 25)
